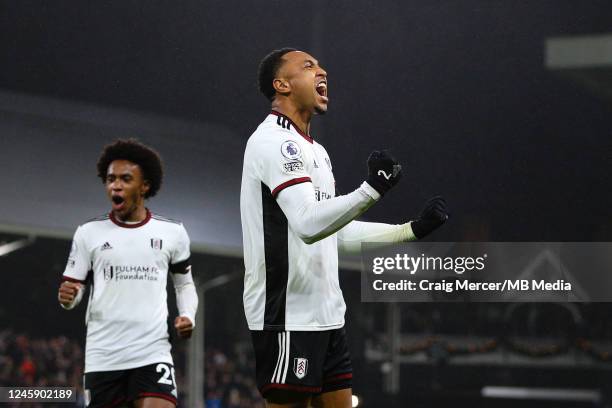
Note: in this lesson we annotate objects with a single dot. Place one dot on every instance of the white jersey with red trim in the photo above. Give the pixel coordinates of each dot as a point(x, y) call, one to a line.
point(288, 284)
point(127, 267)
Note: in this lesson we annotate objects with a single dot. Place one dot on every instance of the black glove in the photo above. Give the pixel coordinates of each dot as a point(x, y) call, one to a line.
point(383, 171)
point(433, 215)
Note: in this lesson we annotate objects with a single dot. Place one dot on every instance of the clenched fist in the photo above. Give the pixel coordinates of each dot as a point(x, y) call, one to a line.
point(383, 171)
point(67, 293)
point(183, 326)
point(433, 215)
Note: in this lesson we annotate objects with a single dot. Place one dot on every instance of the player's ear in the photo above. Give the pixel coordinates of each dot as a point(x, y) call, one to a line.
point(281, 86)
point(144, 189)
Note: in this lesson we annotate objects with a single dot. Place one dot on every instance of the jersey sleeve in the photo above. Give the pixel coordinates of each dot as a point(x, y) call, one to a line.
point(79, 260)
point(314, 220)
point(354, 233)
point(282, 163)
point(181, 254)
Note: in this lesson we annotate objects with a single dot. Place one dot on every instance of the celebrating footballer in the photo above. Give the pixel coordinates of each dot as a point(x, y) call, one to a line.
point(293, 223)
point(125, 257)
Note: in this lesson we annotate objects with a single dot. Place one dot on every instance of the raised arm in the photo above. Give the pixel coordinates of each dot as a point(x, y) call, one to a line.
point(356, 232)
point(314, 220)
point(433, 216)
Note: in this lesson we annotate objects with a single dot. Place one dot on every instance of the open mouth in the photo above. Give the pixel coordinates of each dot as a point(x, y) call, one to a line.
point(118, 202)
point(321, 89)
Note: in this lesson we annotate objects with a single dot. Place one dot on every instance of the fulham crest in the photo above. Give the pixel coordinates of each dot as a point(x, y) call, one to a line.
point(156, 243)
point(300, 367)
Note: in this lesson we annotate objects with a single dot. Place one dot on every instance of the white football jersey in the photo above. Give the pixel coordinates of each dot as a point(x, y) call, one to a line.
point(127, 267)
point(288, 285)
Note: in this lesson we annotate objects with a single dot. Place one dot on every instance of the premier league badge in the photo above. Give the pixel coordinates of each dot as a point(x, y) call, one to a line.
point(291, 150)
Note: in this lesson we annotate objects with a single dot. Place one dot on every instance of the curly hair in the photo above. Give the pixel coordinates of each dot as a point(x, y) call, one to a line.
point(132, 150)
point(268, 67)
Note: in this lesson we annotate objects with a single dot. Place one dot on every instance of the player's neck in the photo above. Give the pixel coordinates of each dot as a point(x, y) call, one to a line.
point(138, 215)
point(300, 118)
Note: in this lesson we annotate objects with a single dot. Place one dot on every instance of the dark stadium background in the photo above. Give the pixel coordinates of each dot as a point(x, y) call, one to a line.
point(460, 93)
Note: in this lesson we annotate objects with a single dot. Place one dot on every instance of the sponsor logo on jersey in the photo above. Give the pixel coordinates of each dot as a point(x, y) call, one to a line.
point(322, 195)
point(293, 166)
point(291, 150)
point(130, 272)
point(314, 163)
point(156, 243)
point(106, 246)
point(300, 367)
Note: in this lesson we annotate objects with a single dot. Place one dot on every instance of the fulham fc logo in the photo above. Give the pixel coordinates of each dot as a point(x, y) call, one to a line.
point(156, 243)
point(300, 367)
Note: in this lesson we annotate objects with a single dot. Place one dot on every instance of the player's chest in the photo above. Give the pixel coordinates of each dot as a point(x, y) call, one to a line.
point(320, 169)
point(132, 249)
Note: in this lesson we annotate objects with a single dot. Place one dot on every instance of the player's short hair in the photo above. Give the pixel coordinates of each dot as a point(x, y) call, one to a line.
point(268, 68)
point(132, 150)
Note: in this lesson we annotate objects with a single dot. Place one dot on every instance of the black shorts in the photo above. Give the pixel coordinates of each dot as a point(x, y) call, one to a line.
point(311, 362)
point(107, 389)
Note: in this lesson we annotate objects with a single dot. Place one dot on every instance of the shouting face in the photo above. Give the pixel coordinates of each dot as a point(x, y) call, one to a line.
point(126, 188)
point(302, 79)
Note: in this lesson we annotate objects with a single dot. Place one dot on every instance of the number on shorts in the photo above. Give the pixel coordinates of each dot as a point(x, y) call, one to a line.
point(168, 375)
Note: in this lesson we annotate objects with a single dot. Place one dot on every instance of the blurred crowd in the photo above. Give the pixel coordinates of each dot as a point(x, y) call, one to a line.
point(230, 379)
point(58, 361)
point(30, 362)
